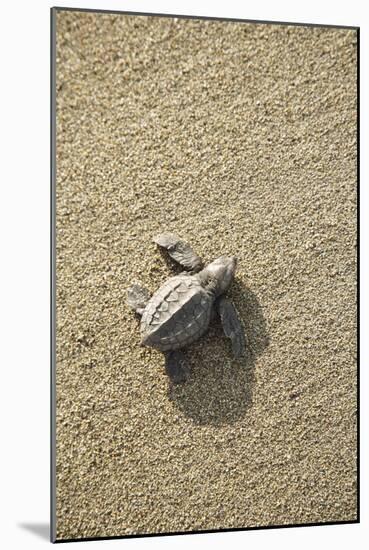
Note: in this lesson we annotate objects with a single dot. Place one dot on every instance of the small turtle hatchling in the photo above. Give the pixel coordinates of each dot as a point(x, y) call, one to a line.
point(180, 311)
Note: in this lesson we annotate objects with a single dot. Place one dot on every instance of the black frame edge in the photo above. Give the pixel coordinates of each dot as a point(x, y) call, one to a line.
point(210, 531)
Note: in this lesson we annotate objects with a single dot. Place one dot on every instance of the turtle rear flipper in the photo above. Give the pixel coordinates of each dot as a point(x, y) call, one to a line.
point(232, 326)
point(180, 251)
point(137, 298)
point(176, 366)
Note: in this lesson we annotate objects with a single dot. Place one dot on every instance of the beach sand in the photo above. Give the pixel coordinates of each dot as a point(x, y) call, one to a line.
point(240, 138)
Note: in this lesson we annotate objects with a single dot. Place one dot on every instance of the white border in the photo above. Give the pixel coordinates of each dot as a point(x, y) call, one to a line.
point(24, 202)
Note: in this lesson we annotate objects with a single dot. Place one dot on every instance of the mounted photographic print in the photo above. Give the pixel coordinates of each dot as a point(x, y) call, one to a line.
point(204, 268)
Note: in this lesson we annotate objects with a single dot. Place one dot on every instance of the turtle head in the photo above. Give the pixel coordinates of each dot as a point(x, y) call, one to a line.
point(218, 275)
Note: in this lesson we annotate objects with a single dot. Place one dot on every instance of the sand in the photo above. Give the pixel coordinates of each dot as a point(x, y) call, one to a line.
point(241, 138)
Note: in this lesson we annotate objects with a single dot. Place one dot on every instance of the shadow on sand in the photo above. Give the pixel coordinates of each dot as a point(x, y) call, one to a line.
point(219, 389)
point(41, 530)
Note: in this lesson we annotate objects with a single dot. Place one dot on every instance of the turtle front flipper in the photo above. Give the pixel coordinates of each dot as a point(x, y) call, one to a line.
point(180, 251)
point(137, 298)
point(176, 366)
point(232, 326)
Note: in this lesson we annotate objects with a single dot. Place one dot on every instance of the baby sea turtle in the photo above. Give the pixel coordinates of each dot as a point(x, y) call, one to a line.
point(179, 312)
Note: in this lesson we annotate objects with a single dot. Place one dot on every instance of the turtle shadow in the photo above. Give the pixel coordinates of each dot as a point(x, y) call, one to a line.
point(219, 389)
point(174, 267)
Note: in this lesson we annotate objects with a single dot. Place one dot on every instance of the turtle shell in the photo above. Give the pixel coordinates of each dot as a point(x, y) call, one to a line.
point(177, 314)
